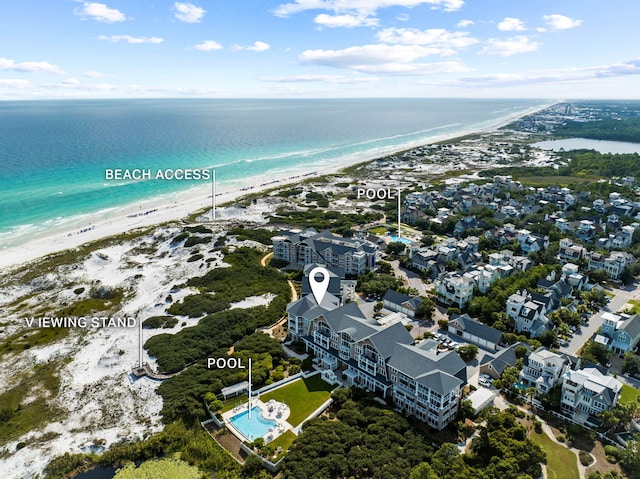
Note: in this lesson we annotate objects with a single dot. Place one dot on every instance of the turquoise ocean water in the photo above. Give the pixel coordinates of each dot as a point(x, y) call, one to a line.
point(53, 154)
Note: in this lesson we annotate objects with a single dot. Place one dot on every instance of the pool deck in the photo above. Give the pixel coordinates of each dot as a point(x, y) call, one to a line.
point(272, 410)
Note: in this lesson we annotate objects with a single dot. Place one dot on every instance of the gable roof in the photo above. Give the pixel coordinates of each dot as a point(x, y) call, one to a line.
point(632, 326)
point(416, 362)
point(386, 340)
point(465, 323)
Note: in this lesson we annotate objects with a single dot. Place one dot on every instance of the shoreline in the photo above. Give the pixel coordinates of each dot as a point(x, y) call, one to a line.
point(176, 206)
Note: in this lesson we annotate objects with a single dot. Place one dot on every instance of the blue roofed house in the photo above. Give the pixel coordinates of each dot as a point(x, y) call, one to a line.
point(621, 332)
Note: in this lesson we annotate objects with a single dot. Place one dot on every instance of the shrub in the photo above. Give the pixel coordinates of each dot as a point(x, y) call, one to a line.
point(560, 438)
point(585, 458)
point(537, 426)
point(194, 240)
point(612, 451)
point(612, 459)
point(195, 257)
point(78, 290)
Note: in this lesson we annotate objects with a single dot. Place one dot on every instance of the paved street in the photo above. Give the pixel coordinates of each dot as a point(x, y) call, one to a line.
point(622, 295)
point(409, 277)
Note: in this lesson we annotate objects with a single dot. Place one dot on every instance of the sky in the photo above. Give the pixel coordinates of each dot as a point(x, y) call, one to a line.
point(551, 49)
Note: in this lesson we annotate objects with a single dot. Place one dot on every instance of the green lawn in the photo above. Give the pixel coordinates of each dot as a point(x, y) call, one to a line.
point(378, 230)
point(284, 441)
point(628, 394)
point(230, 403)
point(561, 462)
point(635, 306)
point(303, 396)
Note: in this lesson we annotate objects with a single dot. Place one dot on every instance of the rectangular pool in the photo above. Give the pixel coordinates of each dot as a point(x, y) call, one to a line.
point(252, 428)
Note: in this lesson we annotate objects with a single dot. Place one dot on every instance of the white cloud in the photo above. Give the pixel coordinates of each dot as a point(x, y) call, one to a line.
point(15, 83)
point(510, 46)
point(259, 46)
point(510, 24)
point(30, 67)
point(465, 23)
point(130, 39)
point(560, 22)
point(208, 45)
point(564, 75)
point(403, 17)
point(93, 74)
point(100, 12)
point(381, 58)
point(256, 47)
point(436, 37)
point(188, 12)
point(330, 79)
point(366, 7)
point(347, 21)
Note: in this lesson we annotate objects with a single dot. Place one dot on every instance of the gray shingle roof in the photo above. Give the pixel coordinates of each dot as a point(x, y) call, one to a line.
point(440, 382)
point(385, 341)
point(466, 323)
point(415, 362)
point(632, 326)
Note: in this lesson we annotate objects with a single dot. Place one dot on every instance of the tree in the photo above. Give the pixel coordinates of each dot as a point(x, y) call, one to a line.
point(468, 352)
point(548, 338)
point(384, 267)
point(423, 471)
point(426, 309)
point(252, 467)
point(595, 352)
point(378, 306)
point(427, 239)
point(216, 405)
point(631, 363)
point(443, 324)
point(396, 247)
point(630, 458)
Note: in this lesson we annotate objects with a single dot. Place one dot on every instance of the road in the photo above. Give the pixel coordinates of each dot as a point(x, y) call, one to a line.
point(622, 296)
point(409, 277)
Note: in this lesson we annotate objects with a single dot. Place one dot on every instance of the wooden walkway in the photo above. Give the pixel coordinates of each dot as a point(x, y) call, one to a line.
point(145, 370)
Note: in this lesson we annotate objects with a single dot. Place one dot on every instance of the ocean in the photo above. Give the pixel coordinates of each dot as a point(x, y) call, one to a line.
point(54, 154)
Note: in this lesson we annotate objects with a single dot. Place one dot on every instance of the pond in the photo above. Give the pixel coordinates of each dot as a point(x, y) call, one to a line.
point(601, 146)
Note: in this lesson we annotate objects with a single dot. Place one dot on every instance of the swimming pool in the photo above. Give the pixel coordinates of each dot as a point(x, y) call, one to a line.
point(402, 239)
point(252, 428)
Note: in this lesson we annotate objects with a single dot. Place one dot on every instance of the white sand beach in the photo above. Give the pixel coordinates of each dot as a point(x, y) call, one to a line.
point(176, 206)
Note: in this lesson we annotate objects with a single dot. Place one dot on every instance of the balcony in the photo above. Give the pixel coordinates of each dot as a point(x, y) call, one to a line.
point(367, 364)
point(344, 353)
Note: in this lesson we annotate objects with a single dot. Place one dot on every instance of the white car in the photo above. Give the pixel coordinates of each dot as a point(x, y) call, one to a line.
point(484, 382)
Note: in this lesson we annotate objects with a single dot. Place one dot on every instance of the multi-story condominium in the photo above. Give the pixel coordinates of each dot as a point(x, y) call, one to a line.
point(620, 332)
point(455, 289)
point(529, 310)
point(543, 369)
point(383, 359)
point(353, 255)
point(588, 391)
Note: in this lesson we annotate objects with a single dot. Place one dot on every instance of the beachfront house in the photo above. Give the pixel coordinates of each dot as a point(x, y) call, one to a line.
point(383, 359)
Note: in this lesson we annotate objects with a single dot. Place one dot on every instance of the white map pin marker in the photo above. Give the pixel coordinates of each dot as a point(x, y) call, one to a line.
point(319, 288)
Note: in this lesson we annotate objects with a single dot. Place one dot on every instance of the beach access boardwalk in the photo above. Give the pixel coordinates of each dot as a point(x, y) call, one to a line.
point(145, 370)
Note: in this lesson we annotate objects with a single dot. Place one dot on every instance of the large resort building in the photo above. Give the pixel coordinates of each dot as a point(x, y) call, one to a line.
point(353, 255)
point(384, 359)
